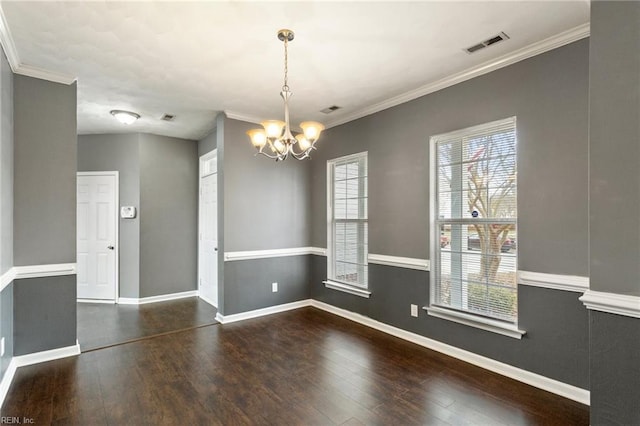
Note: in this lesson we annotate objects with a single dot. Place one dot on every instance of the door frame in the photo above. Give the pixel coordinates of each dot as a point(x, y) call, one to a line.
point(201, 161)
point(116, 217)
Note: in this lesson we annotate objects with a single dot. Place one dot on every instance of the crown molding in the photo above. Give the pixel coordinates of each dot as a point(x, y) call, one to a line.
point(6, 40)
point(526, 52)
point(243, 117)
point(43, 74)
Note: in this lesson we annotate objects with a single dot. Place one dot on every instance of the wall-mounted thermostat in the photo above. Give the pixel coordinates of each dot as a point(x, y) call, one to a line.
point(127, 212)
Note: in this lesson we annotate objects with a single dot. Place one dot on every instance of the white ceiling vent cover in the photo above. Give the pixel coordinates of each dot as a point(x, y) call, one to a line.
point(493, 40)
point(330, 109)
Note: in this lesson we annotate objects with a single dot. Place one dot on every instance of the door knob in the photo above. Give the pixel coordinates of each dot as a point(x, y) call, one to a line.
point(110, 247)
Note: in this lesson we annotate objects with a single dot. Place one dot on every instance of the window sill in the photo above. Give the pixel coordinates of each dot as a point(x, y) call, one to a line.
point(477, 322)
point(347, 288)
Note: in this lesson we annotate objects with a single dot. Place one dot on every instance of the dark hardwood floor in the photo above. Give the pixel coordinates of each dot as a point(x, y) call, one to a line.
point(300, 367)
point(101, 325)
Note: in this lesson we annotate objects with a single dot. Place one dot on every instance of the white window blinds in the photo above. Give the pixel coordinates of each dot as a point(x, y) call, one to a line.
point(348, 220)
point(475, 224)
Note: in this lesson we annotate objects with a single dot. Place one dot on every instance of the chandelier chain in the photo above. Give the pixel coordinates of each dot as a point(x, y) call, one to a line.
point(285, 88)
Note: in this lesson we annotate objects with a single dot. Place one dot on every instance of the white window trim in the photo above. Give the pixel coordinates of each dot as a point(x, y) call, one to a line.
point(362, 291)
point(357, 291)
point(469, 319)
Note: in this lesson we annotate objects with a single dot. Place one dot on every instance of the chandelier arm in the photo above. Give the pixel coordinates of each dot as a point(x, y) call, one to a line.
point(273, 157)
point(299, 153)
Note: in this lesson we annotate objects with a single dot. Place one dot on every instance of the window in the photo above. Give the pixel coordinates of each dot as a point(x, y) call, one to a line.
point(347, 223)
point(474, 225)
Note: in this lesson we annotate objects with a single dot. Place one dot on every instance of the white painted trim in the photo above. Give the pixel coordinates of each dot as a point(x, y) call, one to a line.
point(101, 301)
point(207, 300)
point(526, 52)
point(44, 356)
point(620, 304)
point(533, 379)
point(116, 244)
point(205, 157)
point(347, 288)
point(400, 262)
point(243, 117)
point(160, 298)
point(553, 281)
point(318, 251)
point(7, 379)
point(476, 321)
point(36, 271)
point(39, 271)
point(7, 278)
point(44, 74)
point(226, 319)
point(264, 254)
point(6, 39)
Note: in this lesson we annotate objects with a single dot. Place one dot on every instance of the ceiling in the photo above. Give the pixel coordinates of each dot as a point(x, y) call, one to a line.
point(195, 59)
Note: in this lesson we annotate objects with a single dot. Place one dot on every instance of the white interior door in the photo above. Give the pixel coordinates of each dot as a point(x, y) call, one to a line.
point(97, 222)
point(208, 228)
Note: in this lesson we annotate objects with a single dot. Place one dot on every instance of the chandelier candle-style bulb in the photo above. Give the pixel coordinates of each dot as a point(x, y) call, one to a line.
point(277, 134)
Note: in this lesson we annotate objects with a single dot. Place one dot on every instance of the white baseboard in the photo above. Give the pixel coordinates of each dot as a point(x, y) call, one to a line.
point(153, 299)
point(5, 384)
point(219, 318)
point(226, 319)
point(44, 356)
point(34, 358)
point(107, 302)
point(533, 379)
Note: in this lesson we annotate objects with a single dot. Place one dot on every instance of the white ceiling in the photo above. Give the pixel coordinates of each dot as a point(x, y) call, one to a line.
point(194, 59)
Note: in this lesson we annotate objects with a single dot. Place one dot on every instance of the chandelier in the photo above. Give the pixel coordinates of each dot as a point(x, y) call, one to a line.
point(275, 140)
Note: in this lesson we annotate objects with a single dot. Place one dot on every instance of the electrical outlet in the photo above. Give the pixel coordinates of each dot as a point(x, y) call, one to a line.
point(2, 347)
point(414, 310)
point(274, 287)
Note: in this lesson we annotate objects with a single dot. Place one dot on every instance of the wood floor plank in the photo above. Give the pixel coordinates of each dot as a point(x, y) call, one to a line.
point(303, 367)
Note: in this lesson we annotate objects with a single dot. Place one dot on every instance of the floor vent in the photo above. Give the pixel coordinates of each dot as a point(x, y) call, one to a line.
point(493, 40)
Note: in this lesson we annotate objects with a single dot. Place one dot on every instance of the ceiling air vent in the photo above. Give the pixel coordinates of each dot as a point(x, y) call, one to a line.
point(167, 117)
point(493, 40)
point(330, 109)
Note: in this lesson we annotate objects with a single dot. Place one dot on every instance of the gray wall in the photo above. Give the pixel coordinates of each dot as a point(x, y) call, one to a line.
point(119, 152)
point(6, 165)
point(6, 326)
point(208, 143)
point(6, 207)
point(168, 215)
point(248, 282)
point(547, 93)
point(45, 148)
point(45, 314)
point(44, 213)
point(266, 203)
point(549, 96)
point(614, 145)
point(262, 205)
